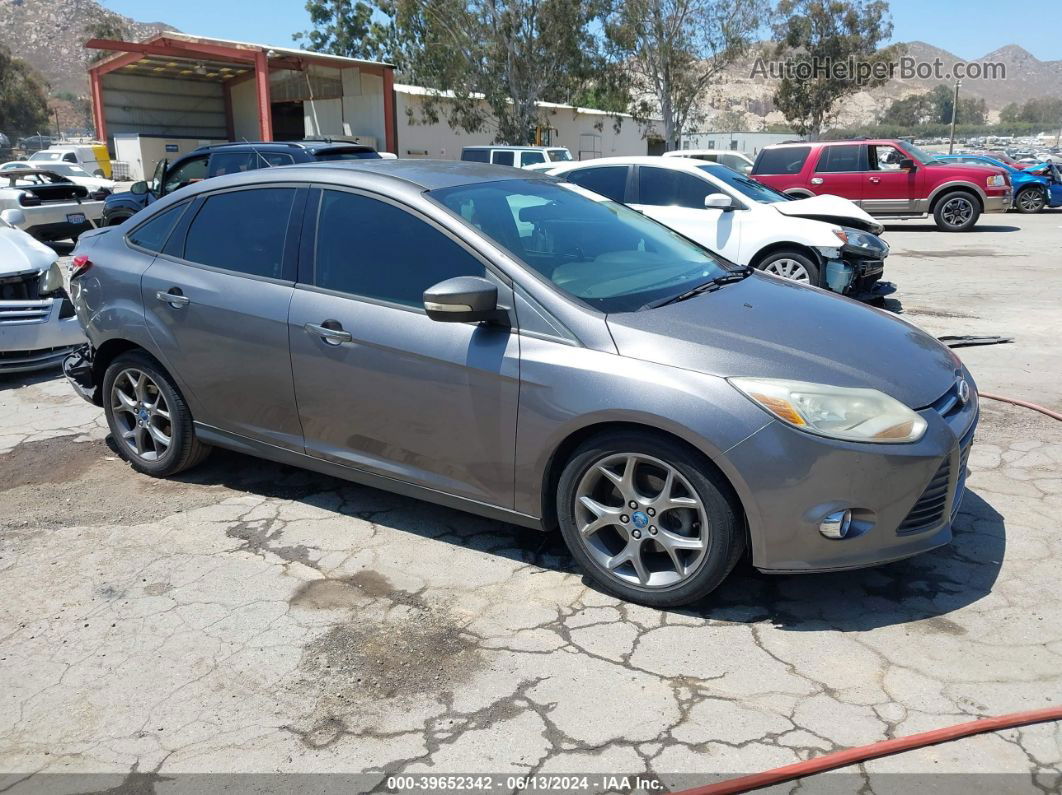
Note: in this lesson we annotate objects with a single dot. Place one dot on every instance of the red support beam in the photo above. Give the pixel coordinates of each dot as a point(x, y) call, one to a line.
point(265, 105)
point(230, 121)
point(98, 116)
point(390, 122)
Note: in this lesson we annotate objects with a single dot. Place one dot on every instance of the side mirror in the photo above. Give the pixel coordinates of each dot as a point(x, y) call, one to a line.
point(139, 188)
point(464, 299)
point(718, 201)
point(14, 217)
point(907, 164)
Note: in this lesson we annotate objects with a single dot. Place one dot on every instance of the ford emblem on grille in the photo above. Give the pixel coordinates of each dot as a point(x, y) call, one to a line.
point(963, 388)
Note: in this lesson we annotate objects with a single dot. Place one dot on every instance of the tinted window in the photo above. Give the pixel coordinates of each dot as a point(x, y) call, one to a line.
point(502, 158)
point(530, 158)
point(665, 188)
point(280, 159)
point(185, 174)
point(152, 234)
point(475, 155)
point(231, 163)
point(783, 160)
point(401, 258)
point(841, 158)
point(340, 154)
point(610, 181)
point(242, 231)
point(70, 157)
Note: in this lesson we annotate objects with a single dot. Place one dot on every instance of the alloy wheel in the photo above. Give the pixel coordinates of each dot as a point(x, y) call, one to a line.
point(957, 211)
point(788, 269)
point(641, 521)
point(141, 415)
point(1031, 201)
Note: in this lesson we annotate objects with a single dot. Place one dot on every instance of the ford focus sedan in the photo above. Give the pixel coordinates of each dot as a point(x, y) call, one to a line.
point(520, 348)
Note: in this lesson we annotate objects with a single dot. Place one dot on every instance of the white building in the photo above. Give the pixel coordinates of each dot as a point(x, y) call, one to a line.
point(748, 142)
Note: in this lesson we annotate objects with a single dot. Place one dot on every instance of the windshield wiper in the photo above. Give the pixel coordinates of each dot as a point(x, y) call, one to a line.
point(710, 285)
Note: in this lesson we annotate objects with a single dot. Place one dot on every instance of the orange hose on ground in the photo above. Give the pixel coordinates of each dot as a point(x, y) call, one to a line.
point(853, 756)
point(1022, 403)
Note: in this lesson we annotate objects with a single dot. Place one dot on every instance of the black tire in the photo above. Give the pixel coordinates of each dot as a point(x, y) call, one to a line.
point(957, 211)
point(1030, 200)
point(725, 536)
point(115, 220)
point(184, 450)
point(774, 263)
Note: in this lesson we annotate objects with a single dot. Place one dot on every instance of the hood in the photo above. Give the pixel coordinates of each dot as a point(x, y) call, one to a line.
point(20, 253)
point(831, 209)
point(774, 328)
point(972, 173)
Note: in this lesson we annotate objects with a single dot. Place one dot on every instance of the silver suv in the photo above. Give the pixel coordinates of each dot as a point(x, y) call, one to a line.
point(526, 350)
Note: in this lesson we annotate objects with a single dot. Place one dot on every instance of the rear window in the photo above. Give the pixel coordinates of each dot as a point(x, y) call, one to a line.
point(476, 155)
point(783, 160)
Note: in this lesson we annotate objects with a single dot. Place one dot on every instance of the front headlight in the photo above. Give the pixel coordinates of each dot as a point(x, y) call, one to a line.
point(864, 240)
point(855, 415)
point(997, 181)
point(51, 281)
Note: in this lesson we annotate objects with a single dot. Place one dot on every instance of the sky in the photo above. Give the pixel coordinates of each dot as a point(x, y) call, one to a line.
point(967, 28)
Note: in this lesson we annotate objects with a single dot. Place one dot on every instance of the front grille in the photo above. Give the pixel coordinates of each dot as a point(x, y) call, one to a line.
point(929, 509)
point(25, 311)
point(20, 286)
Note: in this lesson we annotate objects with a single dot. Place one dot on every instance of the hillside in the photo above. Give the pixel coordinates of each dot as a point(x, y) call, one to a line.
point(49, 34)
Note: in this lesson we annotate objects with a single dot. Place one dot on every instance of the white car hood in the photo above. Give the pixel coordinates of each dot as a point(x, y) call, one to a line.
point(832, 208)
point(20, 253)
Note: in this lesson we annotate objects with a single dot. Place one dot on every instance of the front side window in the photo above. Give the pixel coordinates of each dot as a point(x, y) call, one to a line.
point(604, 254)
point(663, 187)
point(70, 157)
point(783, 160)
point(186, 173)
point(609, 181)
point(243, 230)
point(372, 249)
point(153, 233)
point(559, 155)
point(885, 158)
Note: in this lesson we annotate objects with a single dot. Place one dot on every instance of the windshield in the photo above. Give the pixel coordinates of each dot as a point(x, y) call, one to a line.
point(46, 156)
point(750, 188)
point(559, 155)
point(918, 154)
point(597, 251)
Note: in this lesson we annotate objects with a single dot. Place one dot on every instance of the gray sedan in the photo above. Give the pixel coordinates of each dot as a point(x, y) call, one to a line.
point(520, 348)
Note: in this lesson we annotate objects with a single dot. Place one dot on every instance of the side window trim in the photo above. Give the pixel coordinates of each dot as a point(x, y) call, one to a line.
point(311, 249)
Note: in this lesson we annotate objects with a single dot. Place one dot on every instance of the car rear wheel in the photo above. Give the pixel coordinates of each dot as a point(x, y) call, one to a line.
point(647, 520)
point(956, 212)
point(149, 420)
point(1029, 200)
point(791, 265)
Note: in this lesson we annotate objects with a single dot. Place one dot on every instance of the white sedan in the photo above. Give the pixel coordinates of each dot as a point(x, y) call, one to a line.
point(72, 172)
point(826, 241)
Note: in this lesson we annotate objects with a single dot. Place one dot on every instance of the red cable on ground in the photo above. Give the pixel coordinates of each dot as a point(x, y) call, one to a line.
point(1023, 403)
point(853, 756)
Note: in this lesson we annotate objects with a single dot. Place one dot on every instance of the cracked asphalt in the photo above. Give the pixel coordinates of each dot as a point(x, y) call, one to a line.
point(251, 618)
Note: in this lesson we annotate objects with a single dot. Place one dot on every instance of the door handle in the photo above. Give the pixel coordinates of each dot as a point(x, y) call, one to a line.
point(331, 335)
point(174, 298)
point(875, 180)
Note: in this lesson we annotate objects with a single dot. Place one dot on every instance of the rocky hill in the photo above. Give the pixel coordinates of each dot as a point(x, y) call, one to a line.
point(49, 34)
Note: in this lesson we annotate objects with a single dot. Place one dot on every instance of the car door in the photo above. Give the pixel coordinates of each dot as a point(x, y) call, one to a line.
point(888, 189)
point(676, 199)
point(380, 386)
point(216, 305)
point(839, 171)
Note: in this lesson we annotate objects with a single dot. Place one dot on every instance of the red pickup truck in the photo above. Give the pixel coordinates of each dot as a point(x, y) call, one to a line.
point(889, 179)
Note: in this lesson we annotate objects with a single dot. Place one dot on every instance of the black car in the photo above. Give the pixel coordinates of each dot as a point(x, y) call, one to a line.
point(213, 161)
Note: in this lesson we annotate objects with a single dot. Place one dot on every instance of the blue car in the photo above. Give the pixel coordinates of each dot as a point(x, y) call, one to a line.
point(1032, 191)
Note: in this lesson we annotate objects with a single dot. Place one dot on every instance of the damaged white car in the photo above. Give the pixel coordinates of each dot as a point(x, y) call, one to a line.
point(38, 326)
point(53, 207)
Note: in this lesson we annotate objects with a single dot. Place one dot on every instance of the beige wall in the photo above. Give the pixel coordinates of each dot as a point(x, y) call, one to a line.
point(575, 129)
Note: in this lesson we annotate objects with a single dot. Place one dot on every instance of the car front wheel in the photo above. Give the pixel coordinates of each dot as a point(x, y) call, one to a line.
point(791, 265)
point(1030, 200)
point(149, 420)
point(648, 520)
point(956, 212)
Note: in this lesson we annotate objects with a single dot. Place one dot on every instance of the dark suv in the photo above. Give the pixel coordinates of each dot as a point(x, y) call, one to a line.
point(213, 161)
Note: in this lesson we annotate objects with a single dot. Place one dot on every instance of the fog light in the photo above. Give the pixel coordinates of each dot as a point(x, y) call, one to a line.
point(836, 524)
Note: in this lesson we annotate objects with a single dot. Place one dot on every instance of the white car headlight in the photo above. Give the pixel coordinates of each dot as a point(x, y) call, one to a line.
point(997, 181)
point(855, 415)
point(51, 280)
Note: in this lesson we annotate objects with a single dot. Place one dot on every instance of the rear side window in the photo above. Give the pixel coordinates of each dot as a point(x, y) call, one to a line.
point(502, 158)
point(475, 155)
point(274, 159)
point(609, 181)
point(834, 159)
point(398, 261)
point(531, 158)
point(153, 233)
point(231, 163)
point(242, 231)
point(666, 188)
point(783, 160)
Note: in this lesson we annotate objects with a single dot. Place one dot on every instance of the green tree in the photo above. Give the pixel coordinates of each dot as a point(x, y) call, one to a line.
point(910, 111)
point(811, 36)
point(1011, 113)
point(23, 106)
point(351, 28)
point(675, 49)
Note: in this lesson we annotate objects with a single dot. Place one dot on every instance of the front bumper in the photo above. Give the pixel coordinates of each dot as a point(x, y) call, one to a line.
point(903, 497)
point(77, 367)
point(33, 336)
point(1000, 203)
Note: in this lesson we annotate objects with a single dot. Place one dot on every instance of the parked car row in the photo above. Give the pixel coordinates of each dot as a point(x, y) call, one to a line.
point(525, 348)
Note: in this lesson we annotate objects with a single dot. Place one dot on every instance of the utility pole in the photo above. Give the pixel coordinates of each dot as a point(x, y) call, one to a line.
point(954, 113)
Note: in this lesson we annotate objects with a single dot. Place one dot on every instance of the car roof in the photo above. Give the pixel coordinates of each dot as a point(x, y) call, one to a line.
point(279, 146)
point(514, 148)
point(676, 163)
